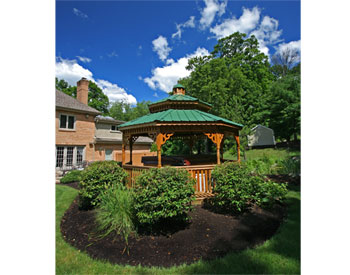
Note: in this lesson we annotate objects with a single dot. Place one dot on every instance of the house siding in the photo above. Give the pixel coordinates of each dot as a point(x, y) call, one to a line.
point(104, 130)
point(82, 135)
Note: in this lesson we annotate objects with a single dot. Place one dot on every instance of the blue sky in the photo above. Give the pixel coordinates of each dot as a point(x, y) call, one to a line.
point(137, 50)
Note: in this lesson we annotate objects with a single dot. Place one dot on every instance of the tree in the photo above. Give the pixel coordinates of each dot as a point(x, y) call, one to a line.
point(235, 79)
point(96, 98)
point(63, 86)
point(124, 111)
point(285, 106)
point(283, 61)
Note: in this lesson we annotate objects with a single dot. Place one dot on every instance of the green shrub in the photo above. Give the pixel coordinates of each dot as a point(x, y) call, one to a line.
point(71, 176)
point(290, 166)
point(98, 177)
point(232, 189)
point(263, 166)
point(236, 189)
point(162, 194)
point(267, 193)
point(116, 213)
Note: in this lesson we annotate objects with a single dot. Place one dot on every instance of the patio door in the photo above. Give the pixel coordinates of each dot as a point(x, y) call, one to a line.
point(108, 154)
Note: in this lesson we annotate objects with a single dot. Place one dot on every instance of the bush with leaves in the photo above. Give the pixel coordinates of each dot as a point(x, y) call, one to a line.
point(236, 189)
point(267, 193)
point(290, 166)
point(98, 177)
point(232, 187)
point(71, 176)
point(263, 166)
point(164, 193)
point(116, 213)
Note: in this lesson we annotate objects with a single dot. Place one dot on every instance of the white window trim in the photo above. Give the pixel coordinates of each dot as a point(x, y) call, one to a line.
point(67, 115)
point(112, 153)
point(74, 161)
point(114, 131)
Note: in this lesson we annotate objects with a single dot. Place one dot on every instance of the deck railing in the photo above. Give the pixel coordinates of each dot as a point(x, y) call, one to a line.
point(134, 171)
point(201, 174)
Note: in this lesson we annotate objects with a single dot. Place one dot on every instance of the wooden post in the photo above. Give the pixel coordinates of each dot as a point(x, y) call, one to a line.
point(216, 138)
point(161, 139)
point(130, 146)
point(123, 153)
point(238, 149)
point(218, 153)
point(124, 142)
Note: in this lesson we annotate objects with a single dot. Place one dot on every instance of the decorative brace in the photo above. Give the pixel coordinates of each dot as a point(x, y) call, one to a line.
point(162, 138)
point(215, 137)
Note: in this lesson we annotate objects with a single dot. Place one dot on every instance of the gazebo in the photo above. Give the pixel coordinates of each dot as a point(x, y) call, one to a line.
point(183, 117)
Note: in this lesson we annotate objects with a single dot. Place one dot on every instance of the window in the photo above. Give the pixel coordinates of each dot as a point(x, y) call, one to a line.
point(114, 128)
point(67, 122)
point(108, 154)
point(69, 156)
point(59, 156)
point(80, 152)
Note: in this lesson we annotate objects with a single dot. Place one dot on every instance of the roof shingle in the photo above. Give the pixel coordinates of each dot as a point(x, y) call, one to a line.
point(67, 102)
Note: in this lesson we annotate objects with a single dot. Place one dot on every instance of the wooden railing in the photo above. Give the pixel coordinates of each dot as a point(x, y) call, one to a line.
point(134, 171)
point(201, 174)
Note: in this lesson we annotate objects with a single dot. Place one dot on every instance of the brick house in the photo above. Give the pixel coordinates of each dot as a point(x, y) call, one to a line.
point(83, 135)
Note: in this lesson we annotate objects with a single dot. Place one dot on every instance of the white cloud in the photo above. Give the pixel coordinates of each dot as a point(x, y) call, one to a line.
point(115, 93)
point(212, 7)
point(267, 33)
point(160, 46)
point(294, 46)
point(188, 24)
point(72, 72)
point(112, 54)
point(170, 61)
point(164, 78)
point(79, 13)
point(246, 23)
point(84, 59)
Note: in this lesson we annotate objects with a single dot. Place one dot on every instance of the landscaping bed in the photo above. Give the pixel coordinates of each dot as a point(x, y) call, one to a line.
point(207, 236)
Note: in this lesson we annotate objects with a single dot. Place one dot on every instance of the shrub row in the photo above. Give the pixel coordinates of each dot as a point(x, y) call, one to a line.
point(71, 176)
point(236, 189)
point(166, 194)
point(162, 194)
point(97, 178)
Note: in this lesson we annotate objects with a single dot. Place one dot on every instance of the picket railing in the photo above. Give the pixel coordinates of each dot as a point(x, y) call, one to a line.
point(201, 174)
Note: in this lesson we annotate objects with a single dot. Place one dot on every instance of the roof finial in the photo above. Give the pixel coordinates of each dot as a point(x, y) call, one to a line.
point(178, 89)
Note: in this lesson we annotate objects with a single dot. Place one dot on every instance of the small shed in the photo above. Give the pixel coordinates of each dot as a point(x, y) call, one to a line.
point(261, 137)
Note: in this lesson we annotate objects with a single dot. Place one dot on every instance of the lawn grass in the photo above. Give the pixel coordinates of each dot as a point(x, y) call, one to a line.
point(280, 254)
point(261, 153)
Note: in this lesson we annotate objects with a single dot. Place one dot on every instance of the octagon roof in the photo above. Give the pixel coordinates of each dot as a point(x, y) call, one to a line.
point(178, 97)
point(175, 115)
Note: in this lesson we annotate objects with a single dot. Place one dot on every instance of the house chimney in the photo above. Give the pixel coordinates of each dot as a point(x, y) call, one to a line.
point(83, 90)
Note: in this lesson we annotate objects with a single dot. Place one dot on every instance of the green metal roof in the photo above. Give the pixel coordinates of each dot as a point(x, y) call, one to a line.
point(174, 115)
point(180, 98)
point(178, 86)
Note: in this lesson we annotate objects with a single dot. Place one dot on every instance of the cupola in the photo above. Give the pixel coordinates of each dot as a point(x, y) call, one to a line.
point(178, 89)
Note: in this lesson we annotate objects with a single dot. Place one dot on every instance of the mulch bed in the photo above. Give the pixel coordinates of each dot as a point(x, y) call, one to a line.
point(207, 236)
